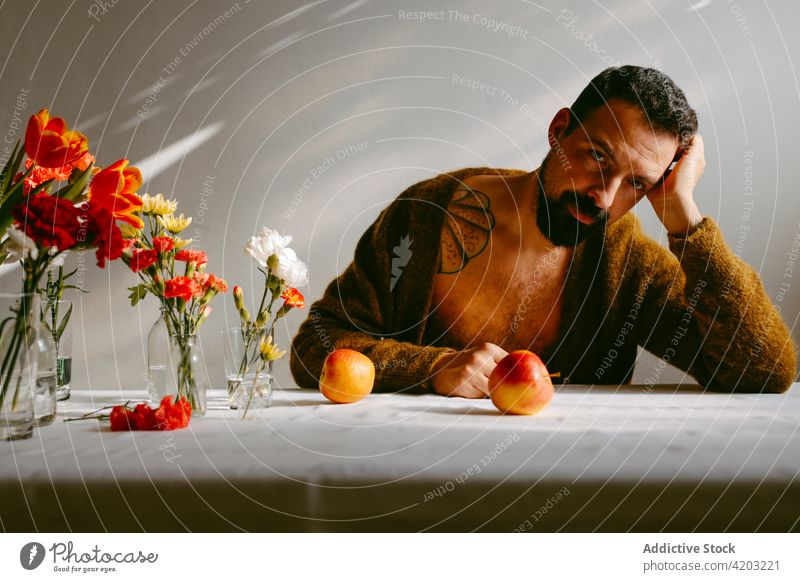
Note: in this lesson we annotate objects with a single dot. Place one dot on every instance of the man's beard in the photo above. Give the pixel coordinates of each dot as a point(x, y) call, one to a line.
point(557, 223)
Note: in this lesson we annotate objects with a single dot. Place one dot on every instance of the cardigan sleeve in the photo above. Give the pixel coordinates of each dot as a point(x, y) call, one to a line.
point(354, 313)
point(705, 311)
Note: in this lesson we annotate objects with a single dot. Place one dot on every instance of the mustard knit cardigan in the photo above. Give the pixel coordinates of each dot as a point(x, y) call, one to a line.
point(698, 307)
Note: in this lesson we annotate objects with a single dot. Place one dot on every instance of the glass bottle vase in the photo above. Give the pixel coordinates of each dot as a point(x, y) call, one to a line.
point(44, 393)
point(175, 367)
point(248, 377)
point(19, 356)
point(55, 321)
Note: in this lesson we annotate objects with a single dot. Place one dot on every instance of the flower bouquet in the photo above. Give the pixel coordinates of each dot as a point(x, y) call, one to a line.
point(38, 223)
point(250, 348)
point(177, 276)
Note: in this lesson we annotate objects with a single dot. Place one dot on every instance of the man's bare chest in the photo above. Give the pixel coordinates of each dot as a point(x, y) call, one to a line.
point(511, 299)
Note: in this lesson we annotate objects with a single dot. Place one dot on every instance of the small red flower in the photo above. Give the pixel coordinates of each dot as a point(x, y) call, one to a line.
point(191, 256)
point(218, 284)
point(120, 419)
point(293, 298)
point(49, 221)
point(209, 281)
point(142, 259)
point(41, 174)
point(163, 244)
point(169, 416)
point(143, 416)
point(106, 235)
point(185, 288)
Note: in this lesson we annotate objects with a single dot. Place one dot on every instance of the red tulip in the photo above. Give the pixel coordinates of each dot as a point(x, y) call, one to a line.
point(114, 188)
point(50, 144)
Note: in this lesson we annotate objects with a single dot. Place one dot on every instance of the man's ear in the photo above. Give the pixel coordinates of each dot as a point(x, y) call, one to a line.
point(558, 126)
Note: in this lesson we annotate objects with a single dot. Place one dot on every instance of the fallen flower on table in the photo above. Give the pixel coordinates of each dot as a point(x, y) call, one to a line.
point(167, 416)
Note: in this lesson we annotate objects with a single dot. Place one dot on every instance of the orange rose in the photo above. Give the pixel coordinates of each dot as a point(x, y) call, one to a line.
point(115, 188)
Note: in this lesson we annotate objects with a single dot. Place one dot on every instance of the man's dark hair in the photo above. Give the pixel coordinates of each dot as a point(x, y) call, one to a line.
point(663, 102)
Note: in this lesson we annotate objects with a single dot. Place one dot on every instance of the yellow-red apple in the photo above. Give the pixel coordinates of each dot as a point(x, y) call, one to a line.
point(520, 383)
point(347, 376)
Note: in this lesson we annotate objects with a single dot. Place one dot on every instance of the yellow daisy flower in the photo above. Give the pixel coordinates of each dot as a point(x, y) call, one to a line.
point(175, 224)
point(157, 205)
point(269, 351)
point(180, 242)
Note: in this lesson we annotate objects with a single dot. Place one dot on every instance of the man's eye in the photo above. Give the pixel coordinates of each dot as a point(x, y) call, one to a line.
point(599, 157)
point(637, 184)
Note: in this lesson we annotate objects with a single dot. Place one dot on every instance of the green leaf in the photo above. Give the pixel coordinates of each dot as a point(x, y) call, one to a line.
point(70, 274)
point(4, 323)
point(74, 190)
point(10, 202)
point(43, 186)
point(12, 167)
point(63, 325)
point(137, 293)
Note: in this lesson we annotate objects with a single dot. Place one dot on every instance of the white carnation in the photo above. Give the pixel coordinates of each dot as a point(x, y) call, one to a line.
point(265, 244)
point(19, 244)
point(292, 270)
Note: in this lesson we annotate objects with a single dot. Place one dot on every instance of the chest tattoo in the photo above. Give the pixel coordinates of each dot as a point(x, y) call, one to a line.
point(466, 231)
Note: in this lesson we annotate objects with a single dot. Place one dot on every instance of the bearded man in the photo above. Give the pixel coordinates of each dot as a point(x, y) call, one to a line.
point(462, 268)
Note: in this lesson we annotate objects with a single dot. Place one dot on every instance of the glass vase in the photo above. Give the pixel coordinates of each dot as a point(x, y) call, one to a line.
point(44, 393)
point(248, 376)
point(19, 354)
point(158, 361)
point(55, 322)
point(175, 367)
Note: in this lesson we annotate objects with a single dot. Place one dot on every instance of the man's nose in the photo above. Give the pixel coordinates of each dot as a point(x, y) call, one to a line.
point(603, 194)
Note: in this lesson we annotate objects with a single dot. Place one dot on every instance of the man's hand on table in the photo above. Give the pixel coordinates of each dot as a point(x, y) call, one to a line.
point(466, 373)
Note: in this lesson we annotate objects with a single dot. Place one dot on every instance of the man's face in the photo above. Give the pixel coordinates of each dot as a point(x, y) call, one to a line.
point(599, 171)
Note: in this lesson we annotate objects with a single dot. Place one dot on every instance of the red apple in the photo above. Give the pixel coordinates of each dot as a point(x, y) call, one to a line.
point(520, 383)
point(347, 376)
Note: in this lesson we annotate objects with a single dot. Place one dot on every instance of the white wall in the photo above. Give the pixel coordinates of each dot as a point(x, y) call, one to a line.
point(253, 104)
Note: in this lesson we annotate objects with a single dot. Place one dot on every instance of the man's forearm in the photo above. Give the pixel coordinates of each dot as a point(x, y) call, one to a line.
point(745, 343)
point(398, 365)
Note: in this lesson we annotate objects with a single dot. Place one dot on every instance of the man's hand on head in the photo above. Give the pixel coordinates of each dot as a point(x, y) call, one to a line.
point(466, 373)
point(673, 199)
